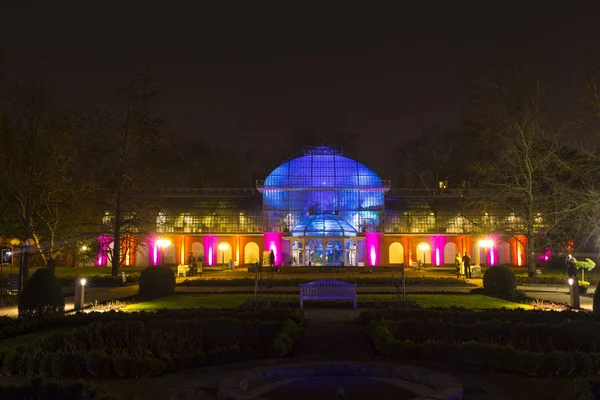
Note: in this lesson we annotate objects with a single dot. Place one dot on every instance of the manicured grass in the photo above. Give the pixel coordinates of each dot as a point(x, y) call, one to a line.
point(62, 272)
point(179, 301)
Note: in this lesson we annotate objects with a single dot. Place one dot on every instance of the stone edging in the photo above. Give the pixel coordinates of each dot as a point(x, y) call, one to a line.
point(239, 386)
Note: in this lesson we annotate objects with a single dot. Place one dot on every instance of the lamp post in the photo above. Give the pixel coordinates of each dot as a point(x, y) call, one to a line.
point(223, 246)
point(163, 244)
point(424, 247)
point(23, 246)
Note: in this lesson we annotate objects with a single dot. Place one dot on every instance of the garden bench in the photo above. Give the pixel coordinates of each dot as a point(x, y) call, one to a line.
point(327, 290)
point(183, 270)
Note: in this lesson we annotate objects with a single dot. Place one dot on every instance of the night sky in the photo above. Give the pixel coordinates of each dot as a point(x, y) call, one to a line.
point(247, 74)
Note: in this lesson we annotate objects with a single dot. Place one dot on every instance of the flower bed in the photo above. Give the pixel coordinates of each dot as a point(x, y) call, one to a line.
point(141, 347)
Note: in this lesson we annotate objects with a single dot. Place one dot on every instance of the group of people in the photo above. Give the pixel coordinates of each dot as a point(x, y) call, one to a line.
point(195, 264)
point(463, 265)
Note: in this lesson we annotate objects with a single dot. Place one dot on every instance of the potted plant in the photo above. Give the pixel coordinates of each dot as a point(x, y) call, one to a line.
point(583, 286)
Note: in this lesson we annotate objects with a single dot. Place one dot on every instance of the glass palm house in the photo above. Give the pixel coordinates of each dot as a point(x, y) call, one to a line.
point(321, 208)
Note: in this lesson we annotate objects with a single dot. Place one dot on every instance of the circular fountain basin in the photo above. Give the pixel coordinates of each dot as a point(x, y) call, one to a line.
point(347, 380)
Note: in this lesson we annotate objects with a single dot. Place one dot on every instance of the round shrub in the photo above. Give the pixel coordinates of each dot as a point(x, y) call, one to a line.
point(41, 296)
point(156, 282)
point(500, 281)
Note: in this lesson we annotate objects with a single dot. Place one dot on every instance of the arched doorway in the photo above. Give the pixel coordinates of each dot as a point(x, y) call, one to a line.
point(424, 255)
point(504, 253)
point(334, 252)
point(251, 253)
point(450, 250)
point(197, 249)
point(297, 253)
point(223, 253)
point(396, 253)
point(314, 252)
point(351, 253)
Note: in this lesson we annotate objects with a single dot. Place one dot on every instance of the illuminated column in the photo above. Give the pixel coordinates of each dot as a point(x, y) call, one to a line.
point(373, 247)
point(153, 250)
point(102, 257)
point(274, 241)
point(182, 245)
point(210, 250)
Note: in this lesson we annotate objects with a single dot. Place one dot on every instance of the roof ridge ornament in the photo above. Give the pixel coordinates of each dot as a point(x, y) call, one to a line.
point(323, 151)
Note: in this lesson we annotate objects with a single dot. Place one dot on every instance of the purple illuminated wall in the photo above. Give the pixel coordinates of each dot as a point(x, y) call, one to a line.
point(102, 256)
point(274, 241)
point(210, 249)
point(373, 243)
point(437, 250)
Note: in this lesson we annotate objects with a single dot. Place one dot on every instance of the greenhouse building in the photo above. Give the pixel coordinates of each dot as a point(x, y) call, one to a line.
point(320, 208)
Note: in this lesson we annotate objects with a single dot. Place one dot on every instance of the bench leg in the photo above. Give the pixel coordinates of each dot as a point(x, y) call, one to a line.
point(355, 303)
point(301, 303)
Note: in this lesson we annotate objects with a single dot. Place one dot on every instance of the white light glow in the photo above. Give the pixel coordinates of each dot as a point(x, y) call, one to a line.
point(163, 243)
point(83, 282)
point(424, 247)
point(570, 280)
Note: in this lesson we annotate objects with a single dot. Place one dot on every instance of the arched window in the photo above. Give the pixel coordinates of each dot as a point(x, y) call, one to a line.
point(314, 252)
point(396, 253)
point(334, 253)
point(251, 253)
point(223, 253)
point(504, 253)
point(198, 250)
point(424, 253)
point(297, 253)
point(450, 250)
point(351, 253)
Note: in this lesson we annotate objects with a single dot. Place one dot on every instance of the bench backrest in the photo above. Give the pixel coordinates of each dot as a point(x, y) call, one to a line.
point(327, 286)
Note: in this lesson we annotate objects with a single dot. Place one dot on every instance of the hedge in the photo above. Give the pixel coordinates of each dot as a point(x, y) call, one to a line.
point(149, 348)
point(10, 327)
point(380, 280)
point(566, 336)
point(489, 355)
point(461, 315)
point(41, 389)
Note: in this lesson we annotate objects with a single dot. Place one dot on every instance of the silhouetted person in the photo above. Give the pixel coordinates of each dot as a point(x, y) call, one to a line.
point(467, 263)
point(458, 262)
point(272, 260)
point(571, 269)
point(192, 264)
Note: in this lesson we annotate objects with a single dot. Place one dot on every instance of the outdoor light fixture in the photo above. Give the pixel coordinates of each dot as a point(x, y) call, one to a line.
point(223, 246)
point(163, 244)
point(487, 243)
point(424, 247)
point(83, 282)
point(84, 248)
point(570, 280)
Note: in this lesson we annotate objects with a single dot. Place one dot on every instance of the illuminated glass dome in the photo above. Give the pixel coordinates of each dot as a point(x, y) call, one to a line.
point(323, 225)
point(323, 167)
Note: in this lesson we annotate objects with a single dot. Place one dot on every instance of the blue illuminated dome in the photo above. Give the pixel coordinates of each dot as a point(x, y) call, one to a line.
point(323, 225)
point(323, 167)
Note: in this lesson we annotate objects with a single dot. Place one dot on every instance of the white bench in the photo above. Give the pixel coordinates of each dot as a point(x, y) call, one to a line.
point(183, 270)
point(327, 290)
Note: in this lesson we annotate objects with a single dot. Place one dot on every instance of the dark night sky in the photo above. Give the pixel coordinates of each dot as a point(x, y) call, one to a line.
point(255, 70)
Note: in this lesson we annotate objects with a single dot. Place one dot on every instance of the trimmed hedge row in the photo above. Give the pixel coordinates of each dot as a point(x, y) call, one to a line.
point(41, 389)
point(98, 280)
point(380, 280)
point(566, 336)
point(10, 327)
point(461, 315)
point(142, 349)
point(505, 358)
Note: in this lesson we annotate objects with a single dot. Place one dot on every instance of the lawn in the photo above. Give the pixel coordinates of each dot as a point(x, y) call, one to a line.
point(179, 301)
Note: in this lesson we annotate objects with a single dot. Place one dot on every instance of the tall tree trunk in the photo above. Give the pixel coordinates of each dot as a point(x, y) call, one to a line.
point(530, 248)
point(116, 256)
point(25, 271)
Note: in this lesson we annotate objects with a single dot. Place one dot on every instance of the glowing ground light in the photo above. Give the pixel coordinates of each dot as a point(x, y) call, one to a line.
point(373, 255)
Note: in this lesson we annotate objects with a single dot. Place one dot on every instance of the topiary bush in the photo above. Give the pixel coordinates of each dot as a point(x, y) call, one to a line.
point(156, 282)
point(41, 296)
point(500, 281)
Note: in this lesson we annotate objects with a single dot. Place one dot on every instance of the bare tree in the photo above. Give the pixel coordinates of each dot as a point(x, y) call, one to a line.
point(36, 164)
point(525, 173)
point(132, 147)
